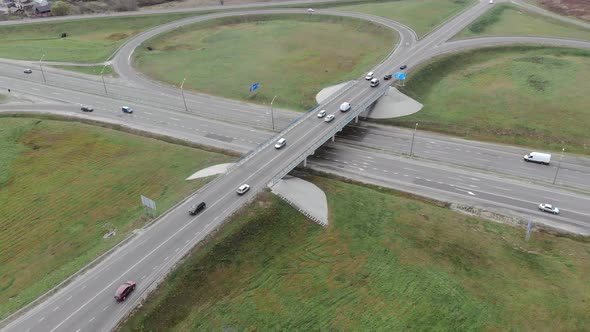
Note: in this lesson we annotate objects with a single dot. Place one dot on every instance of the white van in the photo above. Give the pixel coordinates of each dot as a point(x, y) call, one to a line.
point(345, 107)
point(538, 157)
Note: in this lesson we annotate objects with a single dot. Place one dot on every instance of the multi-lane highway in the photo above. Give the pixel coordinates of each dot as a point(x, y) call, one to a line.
point(87, 304)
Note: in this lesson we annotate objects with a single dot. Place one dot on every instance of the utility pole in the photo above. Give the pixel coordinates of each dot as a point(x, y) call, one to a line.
point(272, 114)
point(102, 77)
point(558, 165)
point(182, 92)
point(41, 66)
point(413, 135)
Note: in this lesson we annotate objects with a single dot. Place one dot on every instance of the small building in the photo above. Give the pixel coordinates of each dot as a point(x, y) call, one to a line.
point(43, 10)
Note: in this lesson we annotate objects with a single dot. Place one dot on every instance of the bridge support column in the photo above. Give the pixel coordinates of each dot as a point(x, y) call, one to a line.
point(333, 137)
point(305, 162)
point(356, 119)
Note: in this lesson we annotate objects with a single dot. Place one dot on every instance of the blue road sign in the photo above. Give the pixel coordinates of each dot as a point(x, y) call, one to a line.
point(254, 87)
point(400, 75)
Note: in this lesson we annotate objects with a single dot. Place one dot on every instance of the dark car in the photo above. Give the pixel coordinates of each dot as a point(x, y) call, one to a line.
point(196, 208)
point(86, 108)
point(127, 109)
point(28, 71)
point(387, 77)
point(402, 67)
point(124, 290)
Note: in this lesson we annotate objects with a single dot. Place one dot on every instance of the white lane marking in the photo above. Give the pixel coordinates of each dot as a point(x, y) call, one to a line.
point(474, 179)
point(105, 308)
point(42, 319)
point(409, 169)
point(501, 188)
point(55, 309)
point(175, 119)
point(35, 89)
point(406, 175)
point(385, 171)
point(69, 298)
point(91, 319)
point(78, 330)
point(155, 267)
point(176, 250)
point(148, 113)
point(473, 186)
point(84, 287)
point(186, 241)
point(481, 159)
point(142, 277)
point(28, 329)
point(165, 259)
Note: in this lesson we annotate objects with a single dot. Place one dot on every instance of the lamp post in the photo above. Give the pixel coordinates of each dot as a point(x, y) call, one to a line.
point(272, 114)
point(41, 67)
point(182, 92)
point(413, 135)
point(558, 165)
point(102, 77)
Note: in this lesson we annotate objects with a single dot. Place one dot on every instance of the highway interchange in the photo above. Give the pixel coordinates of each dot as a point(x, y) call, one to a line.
point(486, 175)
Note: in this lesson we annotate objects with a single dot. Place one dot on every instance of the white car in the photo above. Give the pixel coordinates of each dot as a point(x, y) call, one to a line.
point(548, 208)
point(310, 10)
point(329, 118)
point(321, 113)
point(369, 76)
point(345, 107)
point(242, 189)
point(28, 71)
point(281, 143)
point(374, 82)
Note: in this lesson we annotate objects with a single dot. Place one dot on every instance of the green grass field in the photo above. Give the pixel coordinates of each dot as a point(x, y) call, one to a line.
point(62, 184)
point(536, 97)
point(420, 15)
point(91, 70)
point(292, 57)
point(506, 19)
point(88, 41)
point(386, 263)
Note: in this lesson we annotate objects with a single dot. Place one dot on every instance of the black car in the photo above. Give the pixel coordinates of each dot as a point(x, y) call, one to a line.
point(196, 208)
point(387, 77)
point(402, 67)
point(86, 108)
point(28, 71)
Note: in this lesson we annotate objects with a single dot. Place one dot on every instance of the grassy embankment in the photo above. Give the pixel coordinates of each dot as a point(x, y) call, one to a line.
point(88, 41)
point(422, 16)
point(63, 185)
point(506, 19)
point(292, 56)
point(529, 96)
point(386, 263)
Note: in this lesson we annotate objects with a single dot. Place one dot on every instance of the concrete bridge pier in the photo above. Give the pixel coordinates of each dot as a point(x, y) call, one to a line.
point(356, 119)
point(333, 137)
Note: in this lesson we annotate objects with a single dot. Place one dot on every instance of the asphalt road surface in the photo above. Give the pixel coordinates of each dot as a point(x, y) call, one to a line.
point(87, 304)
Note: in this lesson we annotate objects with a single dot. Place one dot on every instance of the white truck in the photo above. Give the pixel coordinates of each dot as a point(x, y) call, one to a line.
point(538, 157)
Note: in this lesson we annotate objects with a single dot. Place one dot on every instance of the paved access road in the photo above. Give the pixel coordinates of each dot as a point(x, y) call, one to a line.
point(87, 303)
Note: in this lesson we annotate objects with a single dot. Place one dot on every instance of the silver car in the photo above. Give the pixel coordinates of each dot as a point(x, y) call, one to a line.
point(329, 118)
point(548, 208)
point(321, 113)
point(242, 189)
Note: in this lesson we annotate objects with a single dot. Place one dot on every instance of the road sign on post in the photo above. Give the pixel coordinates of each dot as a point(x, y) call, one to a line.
point(254, 87)
point(149, 205)
point(528, 230)
point(400, 76)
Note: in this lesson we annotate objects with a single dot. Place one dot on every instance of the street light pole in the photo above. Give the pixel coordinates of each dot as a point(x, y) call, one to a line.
point(272, 113)
point(413, 135)
point(102, 77)
point(182, 92)
point(558, 165)
point(41, 67)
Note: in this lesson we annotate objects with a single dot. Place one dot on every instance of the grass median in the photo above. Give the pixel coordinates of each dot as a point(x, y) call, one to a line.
point(64, 185)
point(291, 56)
point(530, 96)
point(386, 262)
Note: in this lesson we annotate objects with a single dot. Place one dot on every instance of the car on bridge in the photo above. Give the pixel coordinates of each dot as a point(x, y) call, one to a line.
point(321, 113)
point(127, 109)
point(387, 77)
point(243, 189)
point(548, 208)
point(374, 82)
point(402, 67)
point(124, 290)
point(345, 107)
point(28, 71)
point(369, 76)
point(281, 143)
point(329, 118)
point(86, 108)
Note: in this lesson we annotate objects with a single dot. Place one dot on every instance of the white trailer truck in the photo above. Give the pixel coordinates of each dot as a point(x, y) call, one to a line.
point(538, 157)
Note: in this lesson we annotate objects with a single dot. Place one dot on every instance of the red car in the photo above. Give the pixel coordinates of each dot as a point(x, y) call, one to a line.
point(124, 290)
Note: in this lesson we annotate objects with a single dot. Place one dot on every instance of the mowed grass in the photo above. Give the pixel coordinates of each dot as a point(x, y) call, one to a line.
point(506, 19)
point(292, 57)
point(530, 96)
point(64, 185)
point(386, 263)
point(91, 70)
point(421, 15)
point(88, 40)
